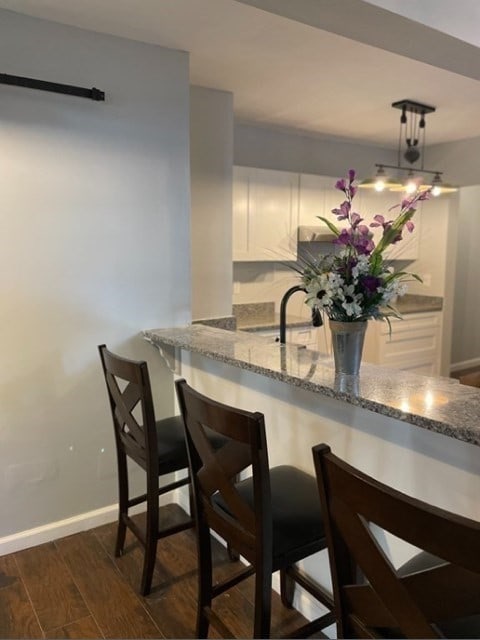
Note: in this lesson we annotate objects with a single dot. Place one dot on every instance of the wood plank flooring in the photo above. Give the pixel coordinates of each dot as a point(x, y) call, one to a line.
point(75, 588)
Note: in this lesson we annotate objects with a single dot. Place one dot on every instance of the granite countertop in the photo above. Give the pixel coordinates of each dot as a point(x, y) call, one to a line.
point(438, 404)
point(261, 316)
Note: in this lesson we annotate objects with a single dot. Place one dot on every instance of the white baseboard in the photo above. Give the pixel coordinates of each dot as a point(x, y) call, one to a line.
point(466, 364)
point(58, 529)
point(69, 526)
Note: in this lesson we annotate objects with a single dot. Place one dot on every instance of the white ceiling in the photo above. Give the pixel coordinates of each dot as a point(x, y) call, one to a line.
point(285, 73)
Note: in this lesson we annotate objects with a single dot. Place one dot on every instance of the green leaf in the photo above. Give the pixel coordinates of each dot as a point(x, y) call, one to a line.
point(330, 225)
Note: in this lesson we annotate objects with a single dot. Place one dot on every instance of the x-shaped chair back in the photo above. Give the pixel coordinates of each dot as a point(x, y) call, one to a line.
point(214, 472)
point(370, 594)
point(128, 385)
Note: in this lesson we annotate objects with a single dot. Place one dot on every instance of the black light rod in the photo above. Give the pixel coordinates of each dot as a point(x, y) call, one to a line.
point(397, 166)
point(55, 87)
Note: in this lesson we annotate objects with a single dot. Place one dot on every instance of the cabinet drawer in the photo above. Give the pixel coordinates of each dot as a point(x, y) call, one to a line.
point(410, 325)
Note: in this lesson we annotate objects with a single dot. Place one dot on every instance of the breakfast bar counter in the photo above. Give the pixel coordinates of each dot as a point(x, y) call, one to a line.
point(416, 433)
point(434, 403)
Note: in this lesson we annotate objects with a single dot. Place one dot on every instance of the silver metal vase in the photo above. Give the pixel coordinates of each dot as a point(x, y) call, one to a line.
point(347, 345)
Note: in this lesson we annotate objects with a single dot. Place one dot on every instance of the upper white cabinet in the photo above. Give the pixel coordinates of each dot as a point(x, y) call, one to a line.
point(265, 214)
point(312, 199)
point(268, 207)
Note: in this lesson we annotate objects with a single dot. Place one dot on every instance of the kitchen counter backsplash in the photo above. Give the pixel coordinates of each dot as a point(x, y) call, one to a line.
point(229, 323)
point(261, 316)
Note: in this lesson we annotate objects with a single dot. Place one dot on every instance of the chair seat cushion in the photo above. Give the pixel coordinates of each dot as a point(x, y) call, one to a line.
point(468, 627)
point(172, 449)
point(296, 513)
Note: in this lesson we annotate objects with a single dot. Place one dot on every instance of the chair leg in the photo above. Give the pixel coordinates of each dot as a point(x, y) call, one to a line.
point(121, 532)
point(287, 588)
point(233, 554)
point(205, 579)
point(122, 502)
point(151, 537)
point(263, 602)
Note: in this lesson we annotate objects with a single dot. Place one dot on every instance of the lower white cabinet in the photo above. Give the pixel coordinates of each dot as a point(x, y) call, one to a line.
point(414, 343)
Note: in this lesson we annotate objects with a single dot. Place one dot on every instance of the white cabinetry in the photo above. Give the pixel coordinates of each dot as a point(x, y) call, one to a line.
point(414, 343)
point(268, 207)
point(312, 200)
point(265, 214)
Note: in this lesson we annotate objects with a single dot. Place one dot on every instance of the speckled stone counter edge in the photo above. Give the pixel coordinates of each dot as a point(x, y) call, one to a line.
point(219, 345)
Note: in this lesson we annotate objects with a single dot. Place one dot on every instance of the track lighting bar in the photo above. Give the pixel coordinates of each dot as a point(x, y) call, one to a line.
point(400, 168)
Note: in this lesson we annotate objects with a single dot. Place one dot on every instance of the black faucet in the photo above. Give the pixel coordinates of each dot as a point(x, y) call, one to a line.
point(316, 316)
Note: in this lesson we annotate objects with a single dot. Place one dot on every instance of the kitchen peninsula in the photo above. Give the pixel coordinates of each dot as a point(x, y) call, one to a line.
point(419, 434)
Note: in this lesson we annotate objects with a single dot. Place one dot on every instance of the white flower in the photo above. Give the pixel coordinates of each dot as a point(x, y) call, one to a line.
point(351, 300)
point(362, 266)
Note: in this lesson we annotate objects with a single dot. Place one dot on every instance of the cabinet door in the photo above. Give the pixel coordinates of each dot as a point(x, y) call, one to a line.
point(265, 215)
point(312, 200)
point(240, 222)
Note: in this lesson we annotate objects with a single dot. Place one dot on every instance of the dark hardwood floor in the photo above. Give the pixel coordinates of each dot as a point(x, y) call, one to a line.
point(75, 588)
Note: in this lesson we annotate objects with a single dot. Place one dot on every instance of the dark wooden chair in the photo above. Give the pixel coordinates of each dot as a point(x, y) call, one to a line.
point(157, 447)
point(272, 518)
point(434, 595)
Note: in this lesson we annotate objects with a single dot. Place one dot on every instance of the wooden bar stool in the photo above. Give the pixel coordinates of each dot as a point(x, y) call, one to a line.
point(272, 518)
point(158, 447)
point(434, 595)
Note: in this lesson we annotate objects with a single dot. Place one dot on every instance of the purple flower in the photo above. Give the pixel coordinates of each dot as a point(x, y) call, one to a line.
point(340, 184)
point(381, 222)
point(410, 226)
point(370, 283)
point(363, 244)
point(343, 211)
point(345, 237)
point(351, 175)
point(358, 238)
point(355, 219)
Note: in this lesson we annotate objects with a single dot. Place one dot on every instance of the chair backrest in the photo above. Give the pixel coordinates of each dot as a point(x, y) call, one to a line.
point(214, 471)
point(372, 598)
point(131, 403)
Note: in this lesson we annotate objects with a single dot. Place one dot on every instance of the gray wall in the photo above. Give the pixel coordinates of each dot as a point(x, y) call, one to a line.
point(95, 247)
point(291, 151)
point(466, 333)
point(211, 158)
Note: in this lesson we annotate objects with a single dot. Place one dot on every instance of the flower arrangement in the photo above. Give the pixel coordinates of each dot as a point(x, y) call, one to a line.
point(357, 283)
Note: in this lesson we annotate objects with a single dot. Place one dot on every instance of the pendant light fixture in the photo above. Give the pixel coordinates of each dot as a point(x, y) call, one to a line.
point(411, 147)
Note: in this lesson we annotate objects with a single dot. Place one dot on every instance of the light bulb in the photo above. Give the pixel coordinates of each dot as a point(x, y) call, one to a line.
point(411, 187)
point(436, 191)
point(379, 185)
